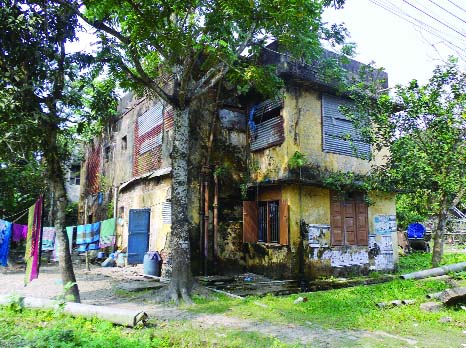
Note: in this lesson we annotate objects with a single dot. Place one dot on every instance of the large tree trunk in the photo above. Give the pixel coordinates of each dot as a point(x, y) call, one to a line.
point(437, 251)
point(179, 241)
point(56, 181)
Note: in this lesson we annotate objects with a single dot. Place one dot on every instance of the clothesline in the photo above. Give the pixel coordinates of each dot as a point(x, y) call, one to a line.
point(22, 211)
point(20, 216)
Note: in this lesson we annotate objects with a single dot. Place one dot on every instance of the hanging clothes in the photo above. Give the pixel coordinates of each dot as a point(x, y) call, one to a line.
point(5, 236)
point(95, 236)
point(87, 237)
point(48, 238)
point(19, 232)
point(33, 241)
point(107, 233)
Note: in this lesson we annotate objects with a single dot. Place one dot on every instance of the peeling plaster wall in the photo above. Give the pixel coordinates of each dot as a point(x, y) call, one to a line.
point(302, 116)
point(311, 205)
point(228, 151)
point(152, 195)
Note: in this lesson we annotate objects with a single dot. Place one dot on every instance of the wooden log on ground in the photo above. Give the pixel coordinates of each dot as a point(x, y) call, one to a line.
point(434, 272)
point(453, 296)
point(120, 316)
point(434, 295)
point(225, 293)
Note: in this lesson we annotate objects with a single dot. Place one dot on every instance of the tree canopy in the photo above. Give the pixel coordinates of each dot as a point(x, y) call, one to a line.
point(424, 128)
point(41, 98)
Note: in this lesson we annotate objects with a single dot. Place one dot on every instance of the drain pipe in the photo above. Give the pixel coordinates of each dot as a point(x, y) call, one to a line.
point(201, 216)
point(115, 210)
point(88, 268)
point(215, 205)
point(206, 220)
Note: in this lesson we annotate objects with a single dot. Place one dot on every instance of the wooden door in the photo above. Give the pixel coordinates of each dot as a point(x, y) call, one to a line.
point(250, 222)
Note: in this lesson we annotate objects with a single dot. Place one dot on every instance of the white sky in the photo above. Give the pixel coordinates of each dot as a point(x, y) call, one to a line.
point(404, 50)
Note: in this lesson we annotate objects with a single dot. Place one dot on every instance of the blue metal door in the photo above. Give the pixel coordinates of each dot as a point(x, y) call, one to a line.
point(138, 235)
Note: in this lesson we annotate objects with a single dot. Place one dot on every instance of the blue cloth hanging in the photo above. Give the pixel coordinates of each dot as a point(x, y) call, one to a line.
point(5, 236)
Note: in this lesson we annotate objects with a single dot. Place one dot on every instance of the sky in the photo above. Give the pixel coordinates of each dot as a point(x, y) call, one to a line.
point(408, 38)
point(406, 50)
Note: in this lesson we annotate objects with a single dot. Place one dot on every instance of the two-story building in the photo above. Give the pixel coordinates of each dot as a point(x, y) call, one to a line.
point(275, 185)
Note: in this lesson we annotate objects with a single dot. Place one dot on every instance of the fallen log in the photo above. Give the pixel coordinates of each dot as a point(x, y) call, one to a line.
point(225, 293)
point(434, 272)
point(395, 303)
point(453, 296)
point(434, 295)
point(120, 316)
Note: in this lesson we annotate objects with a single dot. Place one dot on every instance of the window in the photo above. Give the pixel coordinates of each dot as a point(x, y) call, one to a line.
point(349, 219)
point(75, 175)
point(338, 132)
point(266, 125)
point(124, 143)
point(265, 221)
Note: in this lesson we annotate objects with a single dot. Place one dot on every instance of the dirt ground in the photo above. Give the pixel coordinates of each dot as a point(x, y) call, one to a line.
point(106, 286)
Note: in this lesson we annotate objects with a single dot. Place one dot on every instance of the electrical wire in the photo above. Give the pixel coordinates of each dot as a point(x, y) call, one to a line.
point(447, 11)
point(419, 24)
point(422, 25)
point(434, 18)
point(451, 2)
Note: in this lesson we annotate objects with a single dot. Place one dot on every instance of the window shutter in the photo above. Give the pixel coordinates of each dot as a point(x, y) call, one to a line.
point(362, 223)
point(336, 222)
point(284, 222)
point(250, 222)
point(349, 224)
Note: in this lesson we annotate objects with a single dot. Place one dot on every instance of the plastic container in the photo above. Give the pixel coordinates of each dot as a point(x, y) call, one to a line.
point(152, 263)
point(121, 260)
point(416, 231)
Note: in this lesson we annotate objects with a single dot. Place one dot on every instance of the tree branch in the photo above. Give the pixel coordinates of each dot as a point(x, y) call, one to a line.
point(99, 25)
point(212, 71)
point(212, 83)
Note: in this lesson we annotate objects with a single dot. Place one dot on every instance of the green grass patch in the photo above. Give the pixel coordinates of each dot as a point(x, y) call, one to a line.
point(45, 329)
point(355, 307)
point(418, 261)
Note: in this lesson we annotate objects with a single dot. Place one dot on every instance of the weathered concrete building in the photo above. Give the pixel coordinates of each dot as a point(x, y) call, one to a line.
point(264, 189)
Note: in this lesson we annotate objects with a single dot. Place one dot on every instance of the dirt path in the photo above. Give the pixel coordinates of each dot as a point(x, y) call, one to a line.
point(99, 287)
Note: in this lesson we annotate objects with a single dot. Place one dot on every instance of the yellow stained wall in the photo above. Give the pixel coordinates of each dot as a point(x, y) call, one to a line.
point(141, 196)
point(311, 205)
point(302, 122)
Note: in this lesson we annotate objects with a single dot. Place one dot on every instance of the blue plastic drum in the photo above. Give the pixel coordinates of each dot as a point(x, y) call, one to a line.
point(416, 231)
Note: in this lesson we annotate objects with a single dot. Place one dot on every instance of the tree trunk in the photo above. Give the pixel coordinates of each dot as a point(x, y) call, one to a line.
point(179, 241)
point(437, 251)
point(56, 181)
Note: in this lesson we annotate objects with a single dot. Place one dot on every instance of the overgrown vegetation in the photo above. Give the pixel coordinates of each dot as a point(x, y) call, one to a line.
point(423, 128)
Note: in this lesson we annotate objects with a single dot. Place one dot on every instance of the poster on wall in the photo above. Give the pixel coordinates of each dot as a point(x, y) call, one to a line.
point(384, 224)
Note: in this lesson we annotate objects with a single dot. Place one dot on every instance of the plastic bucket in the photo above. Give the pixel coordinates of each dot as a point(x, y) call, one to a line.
point(151, 265)
point(121, 260)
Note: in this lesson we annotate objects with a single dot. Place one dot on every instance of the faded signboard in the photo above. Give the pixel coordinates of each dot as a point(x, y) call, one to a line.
point(381, 251)
point(384, 224)
point(340, 258)
point(319, 235)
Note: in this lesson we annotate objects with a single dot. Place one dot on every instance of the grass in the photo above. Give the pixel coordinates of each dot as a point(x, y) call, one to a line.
point(44, 329)
point(419, 261)
point(351, 308)
point(356, 307)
